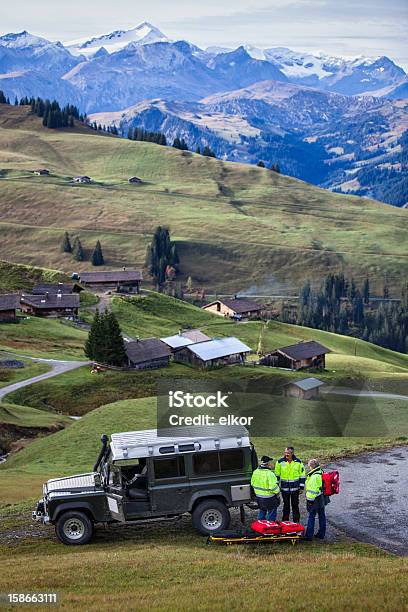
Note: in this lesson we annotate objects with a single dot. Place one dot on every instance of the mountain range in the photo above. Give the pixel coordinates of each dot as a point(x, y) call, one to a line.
point(336, 122)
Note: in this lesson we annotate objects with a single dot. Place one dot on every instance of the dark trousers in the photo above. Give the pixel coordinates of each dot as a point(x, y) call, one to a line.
point(311, 523)
point(291, 500)
point(268, 507)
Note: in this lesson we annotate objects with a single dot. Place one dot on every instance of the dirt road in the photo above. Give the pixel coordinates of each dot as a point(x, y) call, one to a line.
point(57, 367)
point(373, 503)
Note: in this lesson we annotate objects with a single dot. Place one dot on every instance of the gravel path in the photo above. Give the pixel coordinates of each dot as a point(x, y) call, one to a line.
point(373, 502)
point(57, 367)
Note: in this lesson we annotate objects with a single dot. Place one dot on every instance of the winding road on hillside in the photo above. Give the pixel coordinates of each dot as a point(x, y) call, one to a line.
point(57, 367)
point(373, 502)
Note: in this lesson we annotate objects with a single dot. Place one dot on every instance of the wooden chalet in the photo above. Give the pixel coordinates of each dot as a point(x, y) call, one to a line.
point(213, 353)
point(9, 303)
point(53, 288)
point(305, 389)
point(121, 281)
point(309, 354)
point(42, 172)
point(50, 304)
point(184, 338)
point(235, 308)
point(147, 354)
point(134, 179)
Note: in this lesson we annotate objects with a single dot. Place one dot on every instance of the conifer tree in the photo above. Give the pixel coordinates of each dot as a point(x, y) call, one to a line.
point(115, 350)
point(77, 250)
point(66, 246)
point(97, 255)
point(105, 343)
point(93, 343)
point(160, 254)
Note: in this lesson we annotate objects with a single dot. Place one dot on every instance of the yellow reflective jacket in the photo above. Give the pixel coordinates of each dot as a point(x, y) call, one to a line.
point(291, 474)
point(264, 482)
point(314, 484)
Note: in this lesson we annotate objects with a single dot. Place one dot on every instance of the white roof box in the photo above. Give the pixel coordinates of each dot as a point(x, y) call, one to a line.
point(143, 444)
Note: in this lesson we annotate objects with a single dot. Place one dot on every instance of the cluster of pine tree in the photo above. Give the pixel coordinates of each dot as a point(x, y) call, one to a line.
point(52, 114)
point(110, 129)
point(3, 98)
point(180, 143)
point(105, 342)
point(207, 151)
point(145, 136)
point(77, 250)
point(340, 306)
point(162, 259)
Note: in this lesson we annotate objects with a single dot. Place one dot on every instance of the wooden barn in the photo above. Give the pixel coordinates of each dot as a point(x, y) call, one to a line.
point(306, 389)
point(147, 354)
point(9, 303)
point(309, 354)
point(213, 353)
point(235, 308)
point(54, 288)
point(50, 304)
point(121, 281)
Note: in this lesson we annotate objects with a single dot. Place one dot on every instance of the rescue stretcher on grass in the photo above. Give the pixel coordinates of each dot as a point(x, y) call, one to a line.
point(261, 531)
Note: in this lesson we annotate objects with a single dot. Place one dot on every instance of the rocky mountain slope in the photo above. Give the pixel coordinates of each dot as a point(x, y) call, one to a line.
point(324, 119)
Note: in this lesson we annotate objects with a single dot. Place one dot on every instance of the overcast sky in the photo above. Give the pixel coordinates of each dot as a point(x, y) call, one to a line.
point(342, 27)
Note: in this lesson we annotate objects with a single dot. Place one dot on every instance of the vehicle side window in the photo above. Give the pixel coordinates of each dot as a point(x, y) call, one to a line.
point(223, 461)
point(231, 460)
point(169, 468)
point(206, 463)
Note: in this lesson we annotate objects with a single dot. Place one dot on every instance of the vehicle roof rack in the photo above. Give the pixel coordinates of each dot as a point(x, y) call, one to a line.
point(173, 441)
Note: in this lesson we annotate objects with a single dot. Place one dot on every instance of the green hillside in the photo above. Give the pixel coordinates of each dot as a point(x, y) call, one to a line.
point(158, 315)
point(15, 277)
point(352, 362)
point(74, 450)
point(236, 225)
point(25, 416)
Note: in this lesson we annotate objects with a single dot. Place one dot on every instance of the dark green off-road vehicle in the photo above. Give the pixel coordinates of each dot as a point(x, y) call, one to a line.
point(141, 476)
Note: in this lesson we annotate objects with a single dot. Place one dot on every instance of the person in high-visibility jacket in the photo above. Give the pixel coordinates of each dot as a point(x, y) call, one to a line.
point(291, 475)
point(266, 488)
point(315, 501)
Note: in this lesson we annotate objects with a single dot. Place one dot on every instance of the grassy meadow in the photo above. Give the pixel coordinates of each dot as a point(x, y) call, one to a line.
point(231, 221)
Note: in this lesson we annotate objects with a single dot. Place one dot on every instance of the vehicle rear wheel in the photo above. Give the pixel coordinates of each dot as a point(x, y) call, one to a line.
point(74, 528)
point(210, 516)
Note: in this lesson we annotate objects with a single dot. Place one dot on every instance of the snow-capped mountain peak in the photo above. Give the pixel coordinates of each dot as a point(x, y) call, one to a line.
point(143, 34)
point(22, 40)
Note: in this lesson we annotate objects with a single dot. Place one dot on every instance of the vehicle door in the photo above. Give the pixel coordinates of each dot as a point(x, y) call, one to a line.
point(169, 489)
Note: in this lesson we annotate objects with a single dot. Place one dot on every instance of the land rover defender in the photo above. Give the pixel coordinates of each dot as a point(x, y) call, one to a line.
point(141, 476)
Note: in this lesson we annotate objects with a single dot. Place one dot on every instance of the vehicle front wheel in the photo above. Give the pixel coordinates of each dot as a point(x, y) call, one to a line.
point(211, 516)
point(74, 528)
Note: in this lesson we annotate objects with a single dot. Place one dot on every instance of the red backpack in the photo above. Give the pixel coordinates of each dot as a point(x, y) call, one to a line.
point(331, 483)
